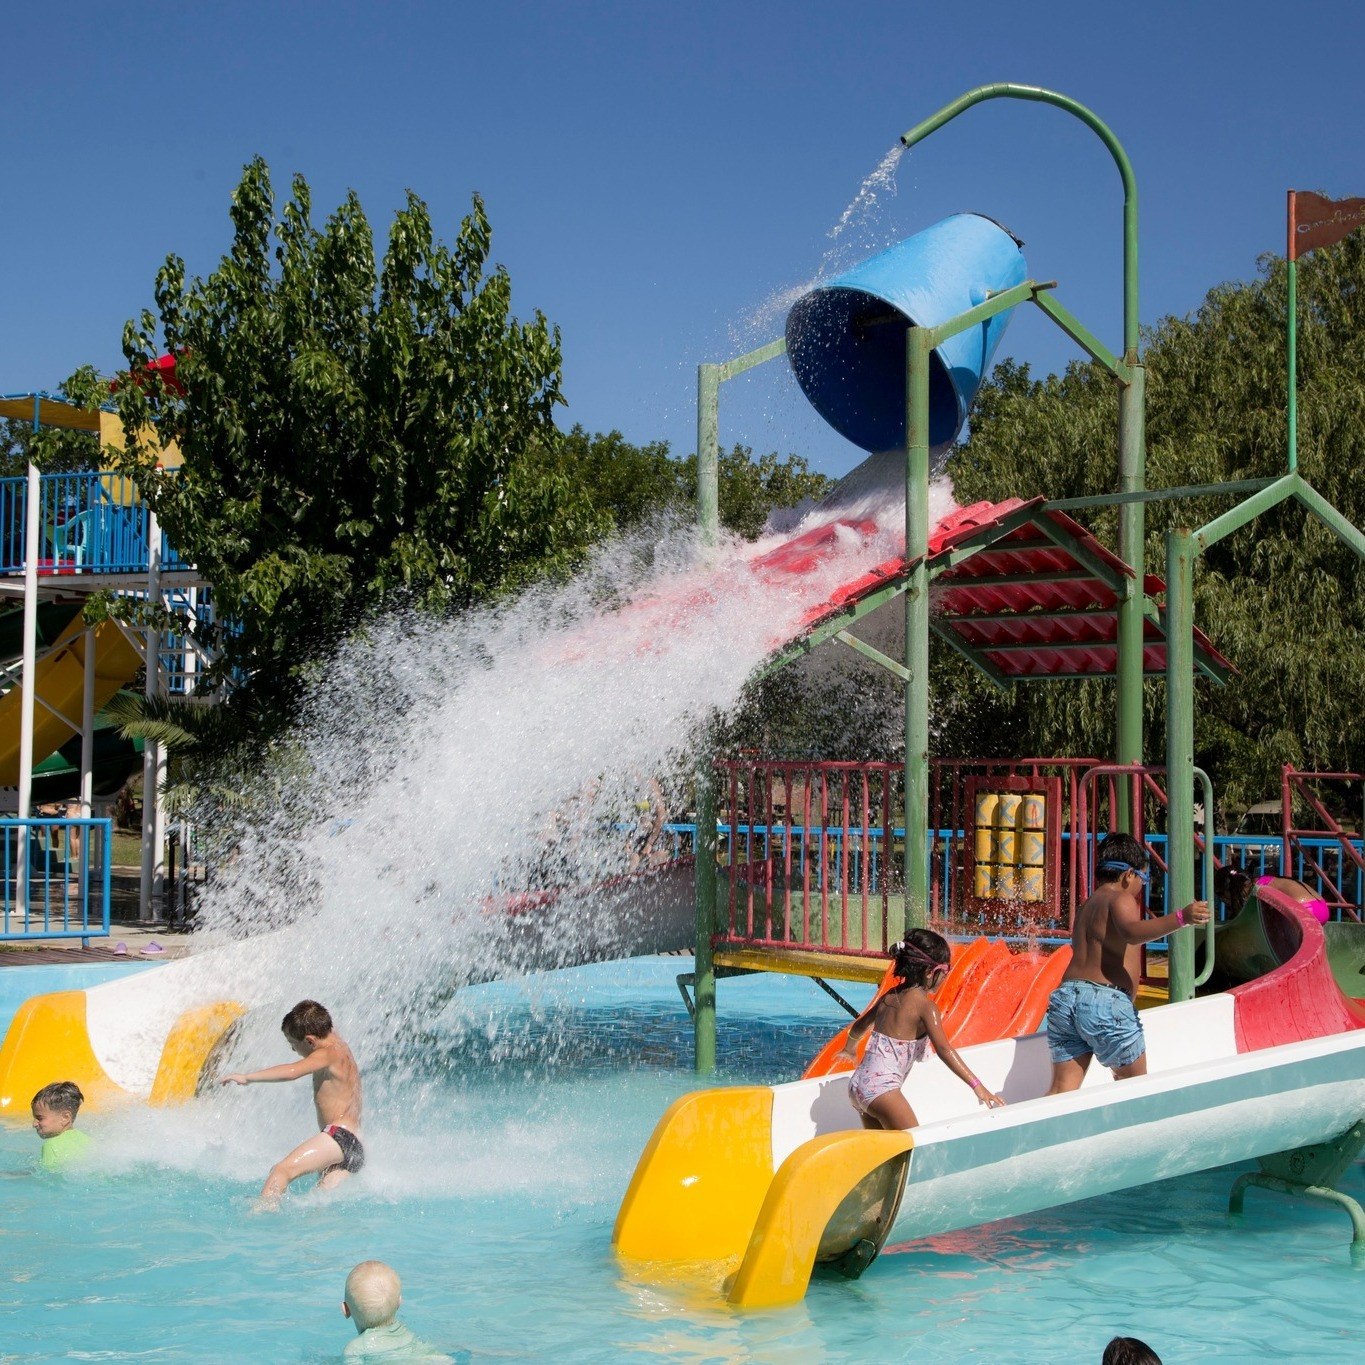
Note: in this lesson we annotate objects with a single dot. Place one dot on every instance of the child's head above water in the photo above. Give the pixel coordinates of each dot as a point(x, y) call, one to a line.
point(55, 1108)
point(1117, 854)
point(373, 1295)
point(307, 1019)
point(922, 956)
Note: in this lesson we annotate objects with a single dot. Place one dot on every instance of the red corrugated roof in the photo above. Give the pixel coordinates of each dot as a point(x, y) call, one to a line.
point(1027, 591)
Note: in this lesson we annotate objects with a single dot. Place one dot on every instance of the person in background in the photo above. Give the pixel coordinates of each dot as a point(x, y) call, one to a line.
point(54, 1109)
point(374, 1295)
point(1129, 1351)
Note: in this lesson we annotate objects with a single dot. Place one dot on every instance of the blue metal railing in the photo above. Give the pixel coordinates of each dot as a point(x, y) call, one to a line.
point(836, 857)
point(55, 878)
point(88, 522)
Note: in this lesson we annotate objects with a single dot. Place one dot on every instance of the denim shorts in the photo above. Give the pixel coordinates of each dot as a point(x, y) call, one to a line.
point(1084, 1016)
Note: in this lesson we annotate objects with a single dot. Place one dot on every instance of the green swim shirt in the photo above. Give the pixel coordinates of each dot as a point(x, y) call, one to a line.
point(64, 1149)
point(393, 1342)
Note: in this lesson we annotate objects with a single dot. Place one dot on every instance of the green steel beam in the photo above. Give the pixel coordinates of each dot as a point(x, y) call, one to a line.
point(918, 346)
point(760, 356)
point(985, 539)
point(704, 846)
point(1180, 556)
point(1314, 502)
point(950, 637)
point(1009, 90)
point(1132, 395)
point(998, 303)
point(1099, 568)
point(1083, 337)
point(708, 454)
point(868, 652)
point(1194, 490)
point(830, 627)
point(1128, 737)
point(1247, 511)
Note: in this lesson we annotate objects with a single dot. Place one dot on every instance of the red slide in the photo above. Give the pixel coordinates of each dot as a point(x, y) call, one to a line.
point(990, 993)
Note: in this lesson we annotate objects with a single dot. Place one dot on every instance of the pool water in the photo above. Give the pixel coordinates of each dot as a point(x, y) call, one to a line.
point(499, 1147)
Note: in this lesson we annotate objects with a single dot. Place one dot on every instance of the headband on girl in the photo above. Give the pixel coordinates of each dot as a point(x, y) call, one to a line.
point(916, 955)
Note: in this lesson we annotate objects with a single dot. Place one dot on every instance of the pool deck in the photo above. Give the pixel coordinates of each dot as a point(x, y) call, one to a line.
point(135, 937)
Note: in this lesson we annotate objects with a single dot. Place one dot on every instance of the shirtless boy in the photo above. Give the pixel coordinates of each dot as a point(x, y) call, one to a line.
point(1092, 1012)
point(336, 1151)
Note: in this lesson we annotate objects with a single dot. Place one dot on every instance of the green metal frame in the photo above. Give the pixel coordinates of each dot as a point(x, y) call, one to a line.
point(1183, 547)
point(1310, 1173)
point(1134, 607)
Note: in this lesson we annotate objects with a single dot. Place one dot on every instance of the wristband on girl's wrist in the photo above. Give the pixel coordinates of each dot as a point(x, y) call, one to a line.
point(1180, 918)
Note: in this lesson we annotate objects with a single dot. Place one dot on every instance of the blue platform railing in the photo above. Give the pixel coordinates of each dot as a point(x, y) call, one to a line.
point(55, 878)
point(92, 522)
point(850, 861)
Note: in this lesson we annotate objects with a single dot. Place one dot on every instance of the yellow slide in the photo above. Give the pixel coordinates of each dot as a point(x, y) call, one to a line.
point(60, 683)
point(705, 1190)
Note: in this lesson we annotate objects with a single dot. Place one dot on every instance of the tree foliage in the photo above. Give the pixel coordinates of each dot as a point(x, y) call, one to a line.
point(1283, 598)
point(351, 430)
point(54, 450)
point(630, 484)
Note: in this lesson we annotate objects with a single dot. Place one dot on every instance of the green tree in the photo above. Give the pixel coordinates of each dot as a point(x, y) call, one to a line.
point(352, 433)
point(53, 449)
point(1283, 599)
point(629, 484)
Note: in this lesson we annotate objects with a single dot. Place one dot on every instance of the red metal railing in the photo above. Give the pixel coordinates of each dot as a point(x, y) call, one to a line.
point(816, 851)
point(1300, 857)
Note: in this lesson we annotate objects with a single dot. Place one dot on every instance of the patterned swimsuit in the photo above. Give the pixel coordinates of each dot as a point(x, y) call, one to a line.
point(884, 1067)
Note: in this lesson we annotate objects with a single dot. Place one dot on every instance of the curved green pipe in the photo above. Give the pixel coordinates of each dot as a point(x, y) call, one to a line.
point(1009, 90)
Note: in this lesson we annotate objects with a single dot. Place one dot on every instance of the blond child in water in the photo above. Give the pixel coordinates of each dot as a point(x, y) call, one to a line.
point(374, 1294)
point(904, 1022)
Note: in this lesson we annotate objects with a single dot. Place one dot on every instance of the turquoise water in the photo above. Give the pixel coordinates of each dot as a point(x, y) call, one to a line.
point(499, 1148)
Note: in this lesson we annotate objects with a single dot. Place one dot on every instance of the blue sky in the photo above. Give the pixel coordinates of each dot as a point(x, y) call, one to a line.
point(657, 173)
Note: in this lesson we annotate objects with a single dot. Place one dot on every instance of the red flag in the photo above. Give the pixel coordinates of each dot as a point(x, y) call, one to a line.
point(1315, 221)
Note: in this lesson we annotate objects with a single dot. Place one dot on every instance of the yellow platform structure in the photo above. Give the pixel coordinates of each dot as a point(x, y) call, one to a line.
point(59, 685)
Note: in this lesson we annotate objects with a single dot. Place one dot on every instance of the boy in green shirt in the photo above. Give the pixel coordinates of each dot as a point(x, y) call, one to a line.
point(54, 1116)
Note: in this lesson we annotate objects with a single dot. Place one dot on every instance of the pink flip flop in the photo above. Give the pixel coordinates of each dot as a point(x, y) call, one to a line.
point(153, 948)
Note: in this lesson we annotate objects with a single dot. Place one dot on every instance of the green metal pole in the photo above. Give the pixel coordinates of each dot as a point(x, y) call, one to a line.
point(1180, 553)
point(704, 844)
point(1293, 364)
point(1132, 529)
point(1132, 447)
point(916, 632)
point(708, 453)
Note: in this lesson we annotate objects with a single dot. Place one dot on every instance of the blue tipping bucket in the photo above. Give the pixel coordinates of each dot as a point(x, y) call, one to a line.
point(846, 339)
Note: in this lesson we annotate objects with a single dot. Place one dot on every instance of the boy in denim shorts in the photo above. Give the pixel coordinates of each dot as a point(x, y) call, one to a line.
point(1092, 1012)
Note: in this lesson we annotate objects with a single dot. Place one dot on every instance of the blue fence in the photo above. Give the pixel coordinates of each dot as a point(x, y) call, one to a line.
point(835, 860)
point(90, 522)
point(55, 878)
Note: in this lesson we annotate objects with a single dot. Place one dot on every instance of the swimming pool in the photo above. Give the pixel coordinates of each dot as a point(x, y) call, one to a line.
point(500, 1145)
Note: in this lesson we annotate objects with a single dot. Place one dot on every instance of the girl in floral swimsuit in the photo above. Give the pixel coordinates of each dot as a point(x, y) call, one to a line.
point(904, 1022)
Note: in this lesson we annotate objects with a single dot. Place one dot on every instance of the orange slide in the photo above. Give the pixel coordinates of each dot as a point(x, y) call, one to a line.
point(990, 993)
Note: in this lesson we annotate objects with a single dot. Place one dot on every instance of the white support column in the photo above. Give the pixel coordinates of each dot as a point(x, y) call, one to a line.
point(88, 726)
point(153, 769)
point(33, 492)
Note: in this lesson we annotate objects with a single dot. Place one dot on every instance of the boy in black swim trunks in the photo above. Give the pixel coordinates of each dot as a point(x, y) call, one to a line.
point(336, 1151)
